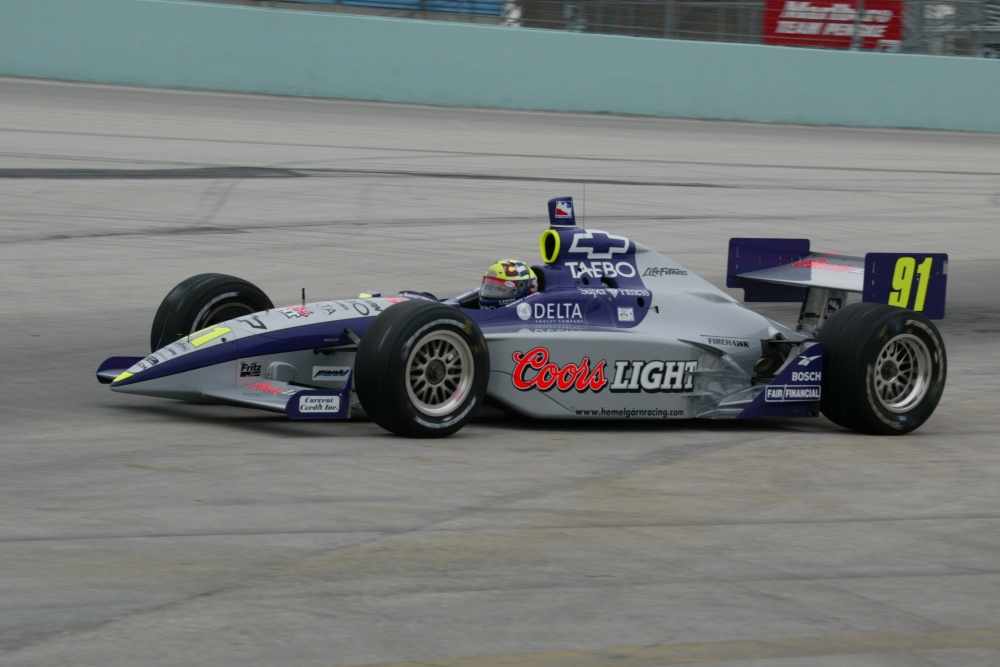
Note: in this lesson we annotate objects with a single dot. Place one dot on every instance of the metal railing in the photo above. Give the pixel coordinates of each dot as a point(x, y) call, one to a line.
point(484, 7)
point(935, 27)
point(956, 27)
point(709, 20)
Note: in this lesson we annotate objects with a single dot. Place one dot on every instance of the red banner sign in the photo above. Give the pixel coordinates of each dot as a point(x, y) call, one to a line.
point(866, 24)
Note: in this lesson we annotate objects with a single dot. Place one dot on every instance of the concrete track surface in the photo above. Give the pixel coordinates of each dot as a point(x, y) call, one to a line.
point(138, 531)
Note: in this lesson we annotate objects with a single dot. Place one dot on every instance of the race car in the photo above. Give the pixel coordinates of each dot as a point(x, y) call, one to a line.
point(611, 330)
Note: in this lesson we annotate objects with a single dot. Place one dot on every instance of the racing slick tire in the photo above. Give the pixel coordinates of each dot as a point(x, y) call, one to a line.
point(883, 369)
point(421, 369)
point(201, 301)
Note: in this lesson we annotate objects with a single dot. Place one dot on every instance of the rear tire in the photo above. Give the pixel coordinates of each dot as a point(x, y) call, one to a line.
point(884, 369)
point(201, 301)
point(421, 369)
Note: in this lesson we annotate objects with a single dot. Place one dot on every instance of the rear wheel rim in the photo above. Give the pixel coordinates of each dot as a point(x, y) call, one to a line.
point(903, 373)
point(439, 373)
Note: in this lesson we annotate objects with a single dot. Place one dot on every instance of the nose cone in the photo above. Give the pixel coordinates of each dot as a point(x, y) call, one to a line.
point(113, 368)
point(135, 372)
point(136, 379)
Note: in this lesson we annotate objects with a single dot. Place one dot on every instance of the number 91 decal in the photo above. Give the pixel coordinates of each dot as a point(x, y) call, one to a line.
point(907, 280)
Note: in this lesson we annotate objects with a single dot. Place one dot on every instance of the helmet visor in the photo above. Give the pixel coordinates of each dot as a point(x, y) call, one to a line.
point(500, 288)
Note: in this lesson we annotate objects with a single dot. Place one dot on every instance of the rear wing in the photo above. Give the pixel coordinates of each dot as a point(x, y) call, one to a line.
point(786, 270)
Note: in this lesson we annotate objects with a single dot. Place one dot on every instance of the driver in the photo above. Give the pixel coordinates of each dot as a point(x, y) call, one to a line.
point(505, 282)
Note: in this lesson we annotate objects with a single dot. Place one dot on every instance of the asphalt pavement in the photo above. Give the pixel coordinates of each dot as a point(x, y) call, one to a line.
point(139, 531)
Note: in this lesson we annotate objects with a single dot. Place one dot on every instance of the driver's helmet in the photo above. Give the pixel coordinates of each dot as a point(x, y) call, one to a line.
point(505, 282)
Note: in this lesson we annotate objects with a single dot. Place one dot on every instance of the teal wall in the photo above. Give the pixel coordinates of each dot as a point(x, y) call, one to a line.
point(170, 43)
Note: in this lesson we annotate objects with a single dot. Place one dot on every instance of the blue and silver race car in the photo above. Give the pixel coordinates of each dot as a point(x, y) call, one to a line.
point(614, 330)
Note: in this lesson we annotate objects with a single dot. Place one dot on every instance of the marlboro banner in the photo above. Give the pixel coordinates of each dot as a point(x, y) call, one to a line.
point(833, 25)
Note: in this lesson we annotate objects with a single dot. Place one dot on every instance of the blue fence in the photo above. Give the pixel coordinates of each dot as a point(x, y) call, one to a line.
point(485, 7)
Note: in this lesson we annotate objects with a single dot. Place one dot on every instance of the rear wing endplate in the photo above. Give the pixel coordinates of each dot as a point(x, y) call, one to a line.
point(780, 270)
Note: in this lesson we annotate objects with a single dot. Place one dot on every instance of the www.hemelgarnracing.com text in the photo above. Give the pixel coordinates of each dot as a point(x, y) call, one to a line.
point(629, 412)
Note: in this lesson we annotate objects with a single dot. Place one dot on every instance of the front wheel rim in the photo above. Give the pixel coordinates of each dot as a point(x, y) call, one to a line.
point(439, 373)
point(221, 309)
point(902, 373)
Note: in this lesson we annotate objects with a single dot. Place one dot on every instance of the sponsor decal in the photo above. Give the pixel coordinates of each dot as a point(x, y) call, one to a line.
point(365, 308)
point(658, 271)
point(420, 296)
point(295, 312)
point(330, 372)
point(599, 245)
point(801, 387)
point(146, 363)
point(794, 391)
point(614, 291)
point(833, 304)
point(533, 370)
point(549, 311)
point(841, 24)
point(727, 342)
point(599, 269)
point(654, 376)
point(628, 413)
point(542, 328)
point(330, 307)
point(175, 349)
point(249, 370)
point(825, 265)
point(563, 209)
point(362, 307)
point(788, 393)
point(319, 404)
point(626, 315)
point(269, 388)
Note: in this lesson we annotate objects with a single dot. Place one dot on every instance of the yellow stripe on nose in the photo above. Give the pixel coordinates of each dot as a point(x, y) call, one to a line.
point(205, 335)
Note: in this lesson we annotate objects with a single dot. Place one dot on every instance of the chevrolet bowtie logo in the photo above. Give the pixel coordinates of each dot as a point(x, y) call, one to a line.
point(599, 245)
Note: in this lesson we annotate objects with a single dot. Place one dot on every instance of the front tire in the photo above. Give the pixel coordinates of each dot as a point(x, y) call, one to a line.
point(884, 369)
point(201, 301)
point(421, 369)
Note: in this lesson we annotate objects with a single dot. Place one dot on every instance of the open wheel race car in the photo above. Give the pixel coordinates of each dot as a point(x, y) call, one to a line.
point(615, 330)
